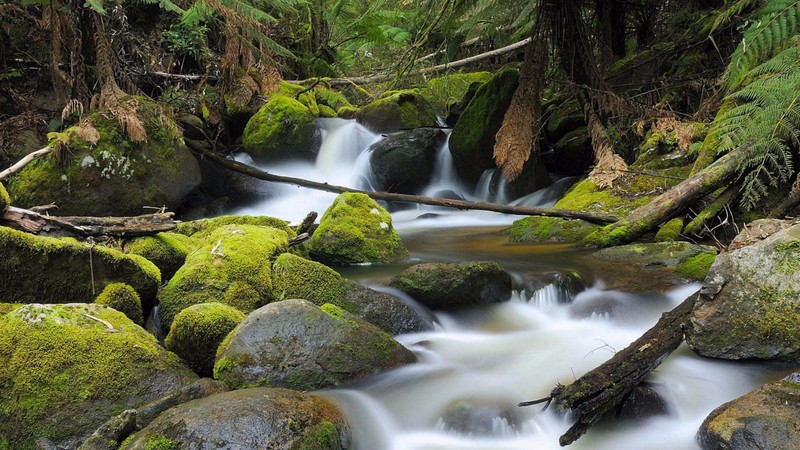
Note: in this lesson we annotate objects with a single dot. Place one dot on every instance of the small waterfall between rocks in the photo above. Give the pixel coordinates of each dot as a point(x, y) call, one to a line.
point(477, 365)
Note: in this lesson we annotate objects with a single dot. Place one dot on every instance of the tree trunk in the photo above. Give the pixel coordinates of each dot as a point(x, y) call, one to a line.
point(671, 203)
point(603, 389)
point(402, 198)
point(82, 227)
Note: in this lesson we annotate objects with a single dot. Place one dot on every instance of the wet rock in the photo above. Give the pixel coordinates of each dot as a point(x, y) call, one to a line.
point(766, 418)
point(76, 366)
point(446, 285)
point(749, 306)
point(687, 259)
point(563, 285)
point(399, 110)
point(36, 269)
point(643, 402)
point(296, 344)
point(572, 153)
point(404, 162)
point(296, 277)
point(249, 419)
point(479, 418)
point(354, 230)
point(283, 129)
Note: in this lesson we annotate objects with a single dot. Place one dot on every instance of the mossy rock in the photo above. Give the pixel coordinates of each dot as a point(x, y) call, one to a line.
point(298, 345)
point(37, 269)
point(697, 267)
point(670, 231)
point(473, 137)
point(200, 229)
point(448, 89)
point(666, 255)
point(6, 308)
point(124, 299)
point(550, 229)
point(113, 176)
point(197, 332)
point(248, 419)
point(563, 117)
point(167, 251)
point(65, 369)
point(401, 110)
point(5, 200)
point(283, 129)
point(233, 266)
point(354, 230)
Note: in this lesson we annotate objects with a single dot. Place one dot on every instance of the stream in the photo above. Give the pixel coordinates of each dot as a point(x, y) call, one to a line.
point(568, 314)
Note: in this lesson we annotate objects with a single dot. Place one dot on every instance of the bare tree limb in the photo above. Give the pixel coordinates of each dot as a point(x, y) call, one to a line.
point(25, 161)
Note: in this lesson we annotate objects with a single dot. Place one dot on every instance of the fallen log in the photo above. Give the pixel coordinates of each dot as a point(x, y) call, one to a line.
point(402, 198)
point(83, 227)
point(603, 389)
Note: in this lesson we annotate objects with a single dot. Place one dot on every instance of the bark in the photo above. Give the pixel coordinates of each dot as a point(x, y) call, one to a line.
point(402, 198)
point(671, 203)
point(603, 389)
point(83, 227)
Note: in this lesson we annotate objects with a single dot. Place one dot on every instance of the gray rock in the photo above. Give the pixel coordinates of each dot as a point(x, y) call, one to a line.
point(749, 306)
point(766, 418)
point(249, 419)
point(447, 285)
point(296, 344)
point(404, 162)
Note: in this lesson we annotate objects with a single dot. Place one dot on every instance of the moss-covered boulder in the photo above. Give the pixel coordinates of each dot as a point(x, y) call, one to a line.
point(766, 418)
point(167, 251)
point(298, 345)
point(102, 171)
point(48, 270)
point(124, 299)
point(5, 200)
point(283, 129)
point(296, 277)
point(562, 116)
point(198, 330)
point(550, 229)
point(405, 162)
point(572, 154)
point(248, 419)
point(446, 90)
point(684, 258)
point(749, 306)
point(65, 369)
point(355, 229)
point(201, 228)
point(448, 285)
point(233, 266)
point(473, 137)
point(401, 110)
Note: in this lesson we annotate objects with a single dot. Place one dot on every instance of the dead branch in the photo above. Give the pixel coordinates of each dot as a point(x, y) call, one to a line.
point(83, 227)
point(403, 198)
point(25, 161)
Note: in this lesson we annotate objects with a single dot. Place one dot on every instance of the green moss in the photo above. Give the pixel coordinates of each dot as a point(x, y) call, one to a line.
point(5, 200)
point(296, 277)
point(233, 266)
point(200, 229)
point(37, 269)
point(444, 90)
point(327, 111)
point(197, 332)
point(65, 369)
point(789, 254)
point(161, 443)
point(124, 299)
point(670, 231)
point(282, 129)
point(400, 110)
point(166, 250)
point(697, 267)
point(333, 99)
point(322, 436)
point(586, 196)
point(353, 230)
point(549, 229)
point(347, 112)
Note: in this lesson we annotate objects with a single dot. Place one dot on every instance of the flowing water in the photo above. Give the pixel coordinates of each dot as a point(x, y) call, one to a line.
point(568, 314)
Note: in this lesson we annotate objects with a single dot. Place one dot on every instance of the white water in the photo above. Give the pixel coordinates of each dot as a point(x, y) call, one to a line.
point(512, 352)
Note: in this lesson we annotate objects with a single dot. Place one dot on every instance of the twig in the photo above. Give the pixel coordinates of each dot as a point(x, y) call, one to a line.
point(25, 161)
point(108, 325)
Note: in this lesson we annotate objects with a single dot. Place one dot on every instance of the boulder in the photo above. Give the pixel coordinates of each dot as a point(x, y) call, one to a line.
point(446, 90)
point(473, 137)
point(564, 115)
point(65, 369)
point(448, 285)
point(397, 110)
point(404, 162)
point(298, 345)
point(480, 417)
point(232, 266)
point(454, 110)
point(248, 419)
point(197, 332)
point(36, 269)
point(5, 200)
point(766, 418)
point(124, 299)
point(550, 229)
point(167, 251)
point(354, 230)
point(749, 305)
point(297, 277)
point(201, 228)
point(572, 153)
point(283, 129)
point(687, 259)
point(103, 171)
